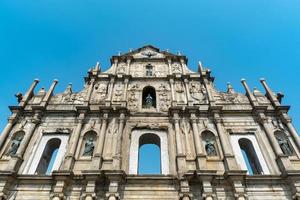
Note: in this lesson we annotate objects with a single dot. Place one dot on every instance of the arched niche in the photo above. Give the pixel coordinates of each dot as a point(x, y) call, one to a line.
point(14, 143)
point(141, 137)
point(284, 143)
point(209, 143)
point(88, 144)
point(149, 97)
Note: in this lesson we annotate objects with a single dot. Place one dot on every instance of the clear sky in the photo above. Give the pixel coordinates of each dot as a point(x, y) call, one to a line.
point(235, 39)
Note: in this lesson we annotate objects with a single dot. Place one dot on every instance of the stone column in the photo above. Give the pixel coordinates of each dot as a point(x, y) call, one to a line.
point(172, 90)
point(49, 94)
point(90, 90)
point(282, 160)
point(198, 144)
point(7, 129)
point(100, 143)
point(264, 122)
point(169, 65)
point(117, 158)
point(110, 90)
point(181, 158)
point(188, 95)
point(15, 161)
point(125, 89)
point(128, 66)
point(70, 158)
point(29, 93)
point(229, 158)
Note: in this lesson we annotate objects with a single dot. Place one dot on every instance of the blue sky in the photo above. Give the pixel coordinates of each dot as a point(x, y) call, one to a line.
point(235, 39)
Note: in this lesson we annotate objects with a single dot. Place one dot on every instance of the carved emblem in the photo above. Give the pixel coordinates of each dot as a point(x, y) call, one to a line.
point(176, 68)
point(118, 91)
point(198, 92)
point(149, 53)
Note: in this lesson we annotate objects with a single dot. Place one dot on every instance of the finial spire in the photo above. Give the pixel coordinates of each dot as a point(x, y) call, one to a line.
point(200, 67)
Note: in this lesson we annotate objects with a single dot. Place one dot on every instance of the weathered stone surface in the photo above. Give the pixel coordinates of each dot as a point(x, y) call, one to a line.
point(97, 133)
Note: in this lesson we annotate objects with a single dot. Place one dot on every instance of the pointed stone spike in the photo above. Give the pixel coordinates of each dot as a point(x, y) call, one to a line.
point(200, 67)
point(97, 68)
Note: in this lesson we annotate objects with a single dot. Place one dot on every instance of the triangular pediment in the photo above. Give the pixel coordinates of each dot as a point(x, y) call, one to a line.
point(148, 51)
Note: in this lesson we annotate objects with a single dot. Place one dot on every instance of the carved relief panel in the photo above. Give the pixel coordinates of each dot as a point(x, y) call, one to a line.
point(164, 97)
point(180, 92)
point(99, 92)
point(118, 91)
point(121, 68)
point(198, 93)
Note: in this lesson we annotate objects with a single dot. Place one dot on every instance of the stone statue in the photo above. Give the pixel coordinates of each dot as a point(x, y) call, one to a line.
point(14, 146)
point(89, 147)
point(285, 146)
point(149, 101)
point(210, 148)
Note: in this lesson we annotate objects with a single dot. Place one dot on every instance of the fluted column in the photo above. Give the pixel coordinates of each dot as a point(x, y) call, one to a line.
point(117, 158)
point(264, 121)
point(187, 88)
point(198, 144)
point(282, 160)
point(70, 158)
point(16, 160)
point(29, 93)
point(110, 90)
point(90, 90)
point(181, 158)
point(100, 144)
point(229, 158)
point(7, 129)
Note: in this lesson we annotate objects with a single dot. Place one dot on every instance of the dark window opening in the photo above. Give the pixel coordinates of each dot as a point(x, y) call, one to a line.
point(149, 160)
point(250, 157)
point(48, 157)
point(149, 97)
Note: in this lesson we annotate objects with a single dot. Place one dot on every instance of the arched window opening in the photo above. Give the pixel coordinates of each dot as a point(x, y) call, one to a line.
point(149, 159)
point(209, 142)
point(149, 97)
point(250, 157)
point(15, 144)
point(89, 141)
point(284, 143)
point(48, 157)
point(149, 70)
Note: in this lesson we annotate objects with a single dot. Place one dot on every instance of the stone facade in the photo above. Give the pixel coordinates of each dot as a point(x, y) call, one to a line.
point(149, 96)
